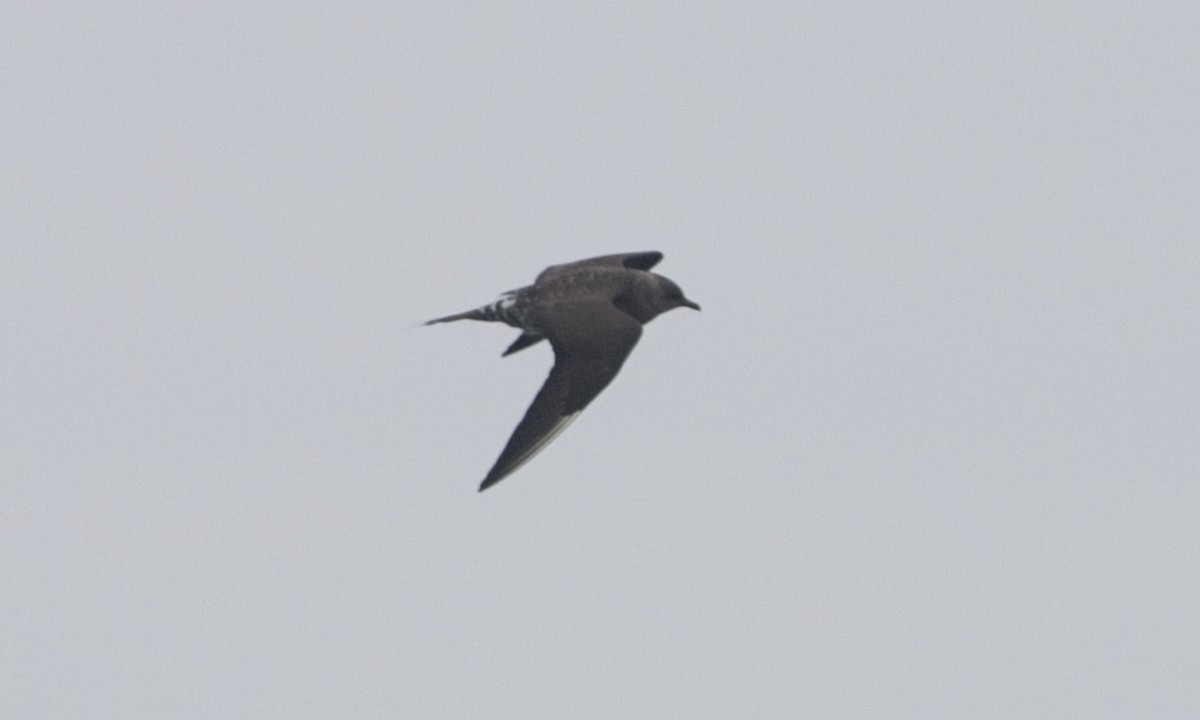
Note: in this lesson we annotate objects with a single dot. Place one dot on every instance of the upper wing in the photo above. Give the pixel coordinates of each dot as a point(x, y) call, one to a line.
point(631, 261)
point(591, 341)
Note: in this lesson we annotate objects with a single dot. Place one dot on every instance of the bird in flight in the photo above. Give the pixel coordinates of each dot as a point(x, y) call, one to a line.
point(592, 312)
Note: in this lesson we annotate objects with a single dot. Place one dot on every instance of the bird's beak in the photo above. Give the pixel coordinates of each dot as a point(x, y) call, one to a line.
point(689, 303)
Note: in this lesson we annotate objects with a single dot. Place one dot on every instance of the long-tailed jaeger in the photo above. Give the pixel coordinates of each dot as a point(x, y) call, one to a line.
point(592, 312)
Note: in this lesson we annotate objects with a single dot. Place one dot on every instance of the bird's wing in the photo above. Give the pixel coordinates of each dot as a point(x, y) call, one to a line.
point(524, 340)
point(591, 340)
point(629, 261)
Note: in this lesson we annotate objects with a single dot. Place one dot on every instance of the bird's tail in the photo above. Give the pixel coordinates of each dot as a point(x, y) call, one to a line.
point(476, 314)
point(500, 311)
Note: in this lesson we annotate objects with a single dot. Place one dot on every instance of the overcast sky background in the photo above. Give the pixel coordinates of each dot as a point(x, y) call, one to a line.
point(931, 449)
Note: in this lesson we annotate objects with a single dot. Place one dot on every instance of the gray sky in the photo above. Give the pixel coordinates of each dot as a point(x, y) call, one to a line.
point(930, 450)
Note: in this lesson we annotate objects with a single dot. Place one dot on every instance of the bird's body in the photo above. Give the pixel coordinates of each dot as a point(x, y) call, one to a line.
point(592, 312)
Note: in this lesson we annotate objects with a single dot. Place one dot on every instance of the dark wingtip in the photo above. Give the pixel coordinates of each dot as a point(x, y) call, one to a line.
point(523, 341)
point(641, 260)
